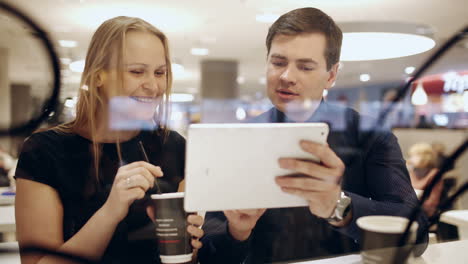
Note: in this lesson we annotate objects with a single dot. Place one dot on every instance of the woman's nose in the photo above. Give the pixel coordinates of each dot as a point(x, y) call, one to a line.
point(151, 84)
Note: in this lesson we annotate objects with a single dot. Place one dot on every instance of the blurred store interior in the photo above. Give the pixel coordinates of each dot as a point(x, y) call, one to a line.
point(218, 60)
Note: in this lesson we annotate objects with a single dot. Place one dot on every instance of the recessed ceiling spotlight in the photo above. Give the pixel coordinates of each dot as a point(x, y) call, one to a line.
point(207, 40)
point(364, 77)
point(383, 40)
point(409, 70)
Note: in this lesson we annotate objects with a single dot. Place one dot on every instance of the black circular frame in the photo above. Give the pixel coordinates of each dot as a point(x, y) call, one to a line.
point(51, 102)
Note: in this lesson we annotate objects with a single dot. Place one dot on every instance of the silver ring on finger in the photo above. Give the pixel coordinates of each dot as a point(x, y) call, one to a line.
point(128, 182)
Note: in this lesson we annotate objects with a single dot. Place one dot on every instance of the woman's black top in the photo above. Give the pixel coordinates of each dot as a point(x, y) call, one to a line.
point(64, 161)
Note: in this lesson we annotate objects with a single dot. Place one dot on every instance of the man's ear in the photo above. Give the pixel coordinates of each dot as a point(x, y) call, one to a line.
point(333, 75)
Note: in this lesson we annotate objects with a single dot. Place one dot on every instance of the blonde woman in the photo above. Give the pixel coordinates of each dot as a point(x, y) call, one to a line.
point(80, 185)
point(422, 166)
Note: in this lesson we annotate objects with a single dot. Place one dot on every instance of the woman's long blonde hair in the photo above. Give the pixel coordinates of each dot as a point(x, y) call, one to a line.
point(106, 51)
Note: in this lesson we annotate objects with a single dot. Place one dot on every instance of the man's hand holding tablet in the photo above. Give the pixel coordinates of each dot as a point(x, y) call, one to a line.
point(319, 184)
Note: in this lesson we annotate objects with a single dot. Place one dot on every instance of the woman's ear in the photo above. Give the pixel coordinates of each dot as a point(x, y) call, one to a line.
point(101, 78)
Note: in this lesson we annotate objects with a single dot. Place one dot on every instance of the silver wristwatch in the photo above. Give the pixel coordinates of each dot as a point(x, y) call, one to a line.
point(342, 208)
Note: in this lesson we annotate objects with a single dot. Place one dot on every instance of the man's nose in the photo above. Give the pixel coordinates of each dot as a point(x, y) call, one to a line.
point(288, 76)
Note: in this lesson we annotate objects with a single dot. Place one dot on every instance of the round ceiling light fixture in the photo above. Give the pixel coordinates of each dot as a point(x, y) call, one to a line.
point(365, 41)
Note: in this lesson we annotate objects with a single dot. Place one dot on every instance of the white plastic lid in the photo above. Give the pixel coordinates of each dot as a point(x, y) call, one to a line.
point(168, 195)
point(385, 224)
point(176, 258)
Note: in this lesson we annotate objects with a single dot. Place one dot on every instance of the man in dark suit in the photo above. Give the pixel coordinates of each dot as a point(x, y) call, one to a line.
point(362, 172)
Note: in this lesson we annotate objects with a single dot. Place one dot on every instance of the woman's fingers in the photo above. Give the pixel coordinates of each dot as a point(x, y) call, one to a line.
point(135, 194)
point(134, 181)
point(155, 170)
point(138, 171)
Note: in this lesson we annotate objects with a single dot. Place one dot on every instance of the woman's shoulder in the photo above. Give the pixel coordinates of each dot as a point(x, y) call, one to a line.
point(51, 139)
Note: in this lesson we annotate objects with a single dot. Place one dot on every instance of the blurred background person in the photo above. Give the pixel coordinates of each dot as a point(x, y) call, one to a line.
point(7, 168)
point(423, 161)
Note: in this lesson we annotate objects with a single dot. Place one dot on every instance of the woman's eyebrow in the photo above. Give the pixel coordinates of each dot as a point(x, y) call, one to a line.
point(144, 65)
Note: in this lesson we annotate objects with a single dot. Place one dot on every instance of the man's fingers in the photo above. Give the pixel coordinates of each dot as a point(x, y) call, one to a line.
point(250, 212)
point(326, 155)
point(195, 231)
point(305, 183)
point(196, 244)
point(298, 192)
point(195, 220)
point(232, 214)
point(310, 168)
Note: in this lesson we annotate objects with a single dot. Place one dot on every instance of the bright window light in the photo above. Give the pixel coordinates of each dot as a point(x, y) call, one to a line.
point(71, 102)
point(262, 80)
point(465, 101)
point(362, 46)
point(181, 97)
point(240, 79)
point(199, 51)
point(240, 113)
point(68, 43)
point(178, 71)
point(441, 119)
point(77, 66)
point(65, 60)
point(266, 17)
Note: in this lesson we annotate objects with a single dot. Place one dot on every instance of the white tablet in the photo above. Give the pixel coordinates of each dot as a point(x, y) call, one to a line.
point(233, 166)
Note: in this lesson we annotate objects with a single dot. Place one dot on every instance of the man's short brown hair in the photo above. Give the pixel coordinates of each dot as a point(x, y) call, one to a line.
point(309, 20)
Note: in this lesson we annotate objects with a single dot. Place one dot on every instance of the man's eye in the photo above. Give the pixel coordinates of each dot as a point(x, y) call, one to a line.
point(278, 64)
point(305, 68)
